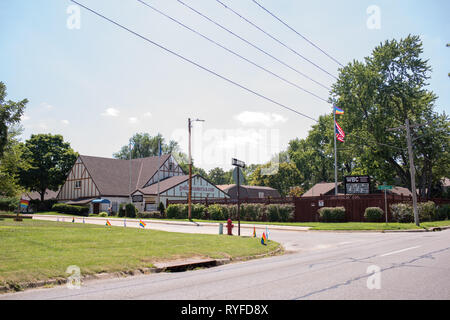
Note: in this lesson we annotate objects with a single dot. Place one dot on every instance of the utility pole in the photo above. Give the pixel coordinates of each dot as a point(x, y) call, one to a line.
point(412, 169)
point(129, 172)
point(190, 168)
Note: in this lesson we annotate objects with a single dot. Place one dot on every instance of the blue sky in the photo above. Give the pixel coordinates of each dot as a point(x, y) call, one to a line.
point(98, 85)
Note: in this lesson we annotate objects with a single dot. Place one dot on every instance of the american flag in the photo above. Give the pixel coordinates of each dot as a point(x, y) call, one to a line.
point(340, 134)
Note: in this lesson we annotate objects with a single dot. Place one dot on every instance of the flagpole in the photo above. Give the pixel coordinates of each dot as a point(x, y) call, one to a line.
point(159, 166)
point(335, 151)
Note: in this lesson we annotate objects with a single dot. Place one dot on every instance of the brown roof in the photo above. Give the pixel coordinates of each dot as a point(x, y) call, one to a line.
point(249, 191)
point(164, 185)
point(49, 195)
point(111, 176)
point(320, 188)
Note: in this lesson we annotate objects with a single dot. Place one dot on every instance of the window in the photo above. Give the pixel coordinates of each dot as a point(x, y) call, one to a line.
point(261, 195)
point(78, 184)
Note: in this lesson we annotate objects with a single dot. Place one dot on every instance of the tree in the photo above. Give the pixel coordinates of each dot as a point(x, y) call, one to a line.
point(382, 92)
point(281, 177)
point(10, 114)
point(144, 145)
point(11, 163)
point(50, 160)
point(218, 176)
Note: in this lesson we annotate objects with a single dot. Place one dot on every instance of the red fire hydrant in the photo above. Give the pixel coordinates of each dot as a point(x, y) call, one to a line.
point(230, 227)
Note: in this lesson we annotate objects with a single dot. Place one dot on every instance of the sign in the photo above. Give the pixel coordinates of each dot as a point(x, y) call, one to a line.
point(385, 187)
point(321, 203)
point(235, 175)
point(357, 185)
point(238, 163)
point(138, 198)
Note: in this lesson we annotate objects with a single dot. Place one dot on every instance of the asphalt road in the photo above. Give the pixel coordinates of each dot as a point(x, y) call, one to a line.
point(319, 265)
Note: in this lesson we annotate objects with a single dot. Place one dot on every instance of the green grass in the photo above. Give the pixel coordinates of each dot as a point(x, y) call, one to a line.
point(39, 250)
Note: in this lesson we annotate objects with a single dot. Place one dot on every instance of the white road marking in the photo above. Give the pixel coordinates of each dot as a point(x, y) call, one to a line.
point(398, 251)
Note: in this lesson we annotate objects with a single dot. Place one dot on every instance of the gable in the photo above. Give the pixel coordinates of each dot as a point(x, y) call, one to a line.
point(78, 184)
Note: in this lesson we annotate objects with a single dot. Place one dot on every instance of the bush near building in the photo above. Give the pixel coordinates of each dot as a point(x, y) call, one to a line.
point(9, 204)
point(428, 211)
point(151, 215)
point(373, 214)
point(71, 209)
point(329, 214)
point(248, 212)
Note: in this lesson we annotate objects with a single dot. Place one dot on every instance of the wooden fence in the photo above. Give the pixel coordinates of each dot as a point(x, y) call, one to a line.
point(306, 208)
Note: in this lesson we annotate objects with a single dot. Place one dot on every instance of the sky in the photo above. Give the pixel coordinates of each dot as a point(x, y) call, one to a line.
point(97, 84)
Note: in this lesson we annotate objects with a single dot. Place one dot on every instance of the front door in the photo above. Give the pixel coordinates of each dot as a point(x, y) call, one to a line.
point(96, 208)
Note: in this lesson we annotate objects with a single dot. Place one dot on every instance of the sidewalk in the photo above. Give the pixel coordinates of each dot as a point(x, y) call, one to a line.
point(166, 222)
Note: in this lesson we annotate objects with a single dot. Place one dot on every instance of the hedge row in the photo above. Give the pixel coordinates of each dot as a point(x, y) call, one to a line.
point(328, 214)
point(9, 204)
point(428, 211)
point(70, 209)
point(248, 212)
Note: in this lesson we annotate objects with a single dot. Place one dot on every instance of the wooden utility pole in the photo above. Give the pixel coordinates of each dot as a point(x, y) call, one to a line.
point(190, 168)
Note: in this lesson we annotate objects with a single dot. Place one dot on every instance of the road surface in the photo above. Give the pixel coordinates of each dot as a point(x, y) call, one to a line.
point(319, 265)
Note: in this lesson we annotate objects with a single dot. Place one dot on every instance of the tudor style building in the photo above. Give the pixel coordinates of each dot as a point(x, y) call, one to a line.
point(104, 182)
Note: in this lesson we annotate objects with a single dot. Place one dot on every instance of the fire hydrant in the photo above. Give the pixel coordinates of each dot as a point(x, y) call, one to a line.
point(230, 227)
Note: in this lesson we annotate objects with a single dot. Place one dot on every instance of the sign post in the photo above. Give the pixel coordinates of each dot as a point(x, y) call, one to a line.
point(385, 188)
point(238, 164)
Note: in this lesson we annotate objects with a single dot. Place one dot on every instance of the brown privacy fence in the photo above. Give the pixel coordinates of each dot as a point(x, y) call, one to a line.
point(306, 207)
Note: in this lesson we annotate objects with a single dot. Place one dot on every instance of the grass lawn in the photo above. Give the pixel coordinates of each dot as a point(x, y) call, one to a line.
point(39, 250)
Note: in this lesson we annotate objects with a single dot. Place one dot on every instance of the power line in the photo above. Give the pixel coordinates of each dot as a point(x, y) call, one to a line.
point(231, 51)
point(277, 40)
point(298, 33)
point(193, 62)
point(252, 45)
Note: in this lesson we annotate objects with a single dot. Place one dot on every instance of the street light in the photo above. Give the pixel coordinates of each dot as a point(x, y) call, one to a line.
point(190, 121)
point(238, 164)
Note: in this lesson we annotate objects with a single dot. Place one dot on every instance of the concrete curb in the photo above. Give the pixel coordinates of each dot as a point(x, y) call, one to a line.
point(177, 267)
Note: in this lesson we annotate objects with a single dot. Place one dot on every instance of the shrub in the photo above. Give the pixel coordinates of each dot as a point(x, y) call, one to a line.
point(70, 209)
point(130, 210)
point(373, 214)
point(217, 212)
point(122, 212)
point(443, 212)
point(150, 215)
point(286, 212)
point(103, 214)
point(9, 204)
point(39, 206)
point(198, 211)
point(336, 214)
point(177, 211)
point(427, 210)
point(273, 212)
point(402, 212)
point(161, 208)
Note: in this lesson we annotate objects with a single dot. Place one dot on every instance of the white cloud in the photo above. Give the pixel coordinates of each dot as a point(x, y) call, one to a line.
point(111, 112)
point(133, 120)
point(25, 117)
point(47, 106)
point(65, 122)
point(260, 118)
point(148, 114)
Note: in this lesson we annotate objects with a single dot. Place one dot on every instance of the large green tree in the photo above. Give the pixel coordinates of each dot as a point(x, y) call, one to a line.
point(50, 160)
point(144, 145)
point(280, 176)
point(10, 114)
point(381, 92)
point(11, 164)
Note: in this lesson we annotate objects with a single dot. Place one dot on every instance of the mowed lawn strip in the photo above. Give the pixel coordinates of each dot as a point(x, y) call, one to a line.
point(39, 250)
